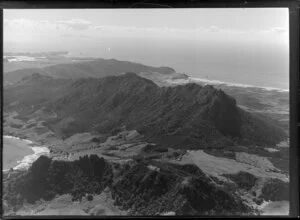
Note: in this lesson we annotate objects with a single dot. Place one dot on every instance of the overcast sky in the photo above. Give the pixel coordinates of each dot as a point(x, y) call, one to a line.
point(61, 29)
point(249, 46)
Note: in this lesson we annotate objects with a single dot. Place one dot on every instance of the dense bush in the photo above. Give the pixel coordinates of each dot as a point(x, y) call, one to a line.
point(275, 190)
point(90, 197)
point(16, 126)
point(151, 148)
point(96, 140)
point(184, 116)
point(244, 180)
point(183, 189)
point(47, 178)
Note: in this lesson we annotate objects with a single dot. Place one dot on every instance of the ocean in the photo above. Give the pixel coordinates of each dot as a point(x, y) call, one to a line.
point(242, 62)
point(275, 208)
point(20, 153)
point(257, 65)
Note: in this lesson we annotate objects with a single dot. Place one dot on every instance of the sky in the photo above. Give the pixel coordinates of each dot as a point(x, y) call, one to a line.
point(65, 27)
point(160, 37)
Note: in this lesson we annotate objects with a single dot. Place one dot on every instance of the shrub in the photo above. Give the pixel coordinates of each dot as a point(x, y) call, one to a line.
point(90, 197)
point(46, 178)
point(275, 190)
point(244, 180)
point(96, 140)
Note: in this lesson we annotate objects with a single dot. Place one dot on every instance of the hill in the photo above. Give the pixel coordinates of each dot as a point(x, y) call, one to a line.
point(183, 189)
point(96, 68)
point(184, 116)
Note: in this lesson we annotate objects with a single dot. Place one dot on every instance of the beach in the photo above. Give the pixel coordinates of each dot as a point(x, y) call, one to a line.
point(276, 208)
point(20, 153)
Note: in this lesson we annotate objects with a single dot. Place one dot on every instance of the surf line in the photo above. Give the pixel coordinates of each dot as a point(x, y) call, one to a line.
point(27, 160)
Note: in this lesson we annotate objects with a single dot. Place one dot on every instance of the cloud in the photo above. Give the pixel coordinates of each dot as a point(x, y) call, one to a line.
point(27, 24)
point(114, 28)
point(76, 24)
point(274, 30)
point(46, 25)
point(74, 36)
point(71, 27)
point(278, 29)
point(213, 29)
point(140, 29)
point(66, 35)
point(80, 24)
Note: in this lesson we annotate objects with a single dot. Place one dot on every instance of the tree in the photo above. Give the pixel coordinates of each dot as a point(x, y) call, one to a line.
point(90, 197)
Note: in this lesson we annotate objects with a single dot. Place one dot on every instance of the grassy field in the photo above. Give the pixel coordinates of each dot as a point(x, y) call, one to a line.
point(63, 205)
point(216, 166)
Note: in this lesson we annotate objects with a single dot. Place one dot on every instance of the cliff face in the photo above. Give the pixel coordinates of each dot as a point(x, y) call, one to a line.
point(187, 115)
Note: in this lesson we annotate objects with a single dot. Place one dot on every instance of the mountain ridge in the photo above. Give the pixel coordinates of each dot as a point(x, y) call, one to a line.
point(133, 186)
point(95, 68)
point(190, 115)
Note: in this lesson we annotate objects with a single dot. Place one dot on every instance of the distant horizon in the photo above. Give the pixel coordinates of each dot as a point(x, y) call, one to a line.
point(216, 82)
point(239, 45)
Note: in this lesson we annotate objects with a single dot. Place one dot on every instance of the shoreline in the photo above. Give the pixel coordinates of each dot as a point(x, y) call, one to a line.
point(18, 138)
point(274, 208)
point(75, 55)
point(27, 160)
point(240, 85)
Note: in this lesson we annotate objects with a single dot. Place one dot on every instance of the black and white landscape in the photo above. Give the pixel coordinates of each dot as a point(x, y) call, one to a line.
point(108, 124)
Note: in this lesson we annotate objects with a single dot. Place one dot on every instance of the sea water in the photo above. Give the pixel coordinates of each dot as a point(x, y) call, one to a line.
point(20, 153)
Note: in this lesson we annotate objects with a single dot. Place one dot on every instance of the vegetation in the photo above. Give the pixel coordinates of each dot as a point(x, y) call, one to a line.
point(46, 178)
point(186, 116)
point(244, 180)
point(96, 68)
point(183, 189)
point(275, 190)
point(16, 126)
point(150, 148)
point(280, 159)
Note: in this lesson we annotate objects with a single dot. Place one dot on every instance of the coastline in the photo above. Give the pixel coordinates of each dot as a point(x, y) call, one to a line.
point(217, 82)
point(24, 162)
point(274, 208)
point(72, 57)
point(17, 138)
